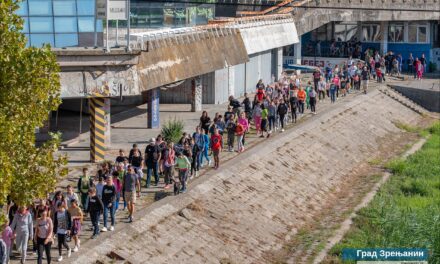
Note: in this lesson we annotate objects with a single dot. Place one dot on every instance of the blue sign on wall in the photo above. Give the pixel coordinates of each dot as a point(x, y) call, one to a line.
point(153, 108)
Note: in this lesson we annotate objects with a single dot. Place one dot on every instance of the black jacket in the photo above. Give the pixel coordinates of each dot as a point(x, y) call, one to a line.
point(108, 194)
point(95, 204)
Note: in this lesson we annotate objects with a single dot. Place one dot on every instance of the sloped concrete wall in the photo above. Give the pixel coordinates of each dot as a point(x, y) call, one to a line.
point(429, 99)
point(256, 201)
point(172, 63)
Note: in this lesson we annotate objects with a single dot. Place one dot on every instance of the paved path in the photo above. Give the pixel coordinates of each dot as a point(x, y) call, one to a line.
point(132, 130)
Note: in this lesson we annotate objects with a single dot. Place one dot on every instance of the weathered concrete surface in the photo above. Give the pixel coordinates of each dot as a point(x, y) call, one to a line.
point(103, 80)
point(257, 201)
point(363, 10)
point(429, 99)
point(258, 39)
point(171, 62)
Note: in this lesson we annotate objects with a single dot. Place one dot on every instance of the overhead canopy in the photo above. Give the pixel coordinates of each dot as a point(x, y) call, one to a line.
point(267, 37)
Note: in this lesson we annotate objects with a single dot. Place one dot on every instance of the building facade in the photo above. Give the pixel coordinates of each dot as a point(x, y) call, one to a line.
point(60, 23)
point(341, 40)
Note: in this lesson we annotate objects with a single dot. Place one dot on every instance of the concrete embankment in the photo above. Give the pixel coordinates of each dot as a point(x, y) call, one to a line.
point(256, 202)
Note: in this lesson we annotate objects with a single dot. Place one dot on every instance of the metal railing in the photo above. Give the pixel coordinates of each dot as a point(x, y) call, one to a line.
point(151, 40)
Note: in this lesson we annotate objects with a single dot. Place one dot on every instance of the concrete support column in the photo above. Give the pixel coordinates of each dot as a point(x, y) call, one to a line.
point(196, 94)
point(231, 81)
point(153, 115)
point(384, 41)
point(297, 53)
point(100, 137)
point(279, 54)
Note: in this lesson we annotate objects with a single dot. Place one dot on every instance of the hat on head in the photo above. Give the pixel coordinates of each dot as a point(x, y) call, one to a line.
point(152, 140)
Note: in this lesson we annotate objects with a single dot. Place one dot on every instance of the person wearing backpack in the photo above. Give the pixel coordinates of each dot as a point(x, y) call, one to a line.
point(293, 99)
point(282, 111)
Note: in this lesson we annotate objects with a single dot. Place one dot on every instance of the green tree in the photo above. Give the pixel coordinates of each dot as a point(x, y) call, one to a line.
point(29, 90)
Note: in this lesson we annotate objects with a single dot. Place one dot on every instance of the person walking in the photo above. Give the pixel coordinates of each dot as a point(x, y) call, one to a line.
point(85, 182)
point(152, 157)
point(256, 115)
point(183, 165)
point(301, 100)
point(264, 115)
point(77, 218)
point(43, 236)
point(243, 120)
point(239, 132)
point(272, 109)
point(293, 99)
point(205, 122)
point(130, 184)
point(230, 128)
point(95, 208)
point(168, 164)
point(23, 229)
point(7, 236)
point(410, 62)
point(205, 151)
point(62, 226)
point(312, 96)
point(307, 90)
point(282, 110)
point(109, 203)
point(365, 78)
point(321, 89)
point(216, 147)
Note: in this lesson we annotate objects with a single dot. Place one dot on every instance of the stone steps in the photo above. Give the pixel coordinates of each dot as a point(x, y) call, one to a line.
point(403, 100)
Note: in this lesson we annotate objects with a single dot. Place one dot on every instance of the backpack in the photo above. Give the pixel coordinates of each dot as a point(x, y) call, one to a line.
point(239, 129)
point(282, 109)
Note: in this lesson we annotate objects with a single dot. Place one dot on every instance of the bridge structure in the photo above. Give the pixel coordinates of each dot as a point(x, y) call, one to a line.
point(207, 64)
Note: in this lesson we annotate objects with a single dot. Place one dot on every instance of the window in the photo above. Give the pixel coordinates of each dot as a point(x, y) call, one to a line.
point(323, 33)
point(40, 7)
point(85, 24)
point(41, 25)
point(38, 40)
point(66, 40)
point(395, 33)
point(85, 7)
point(371, 33)
point(64, 8)
point(339, 32)
point(346, 32)
point(66, 24)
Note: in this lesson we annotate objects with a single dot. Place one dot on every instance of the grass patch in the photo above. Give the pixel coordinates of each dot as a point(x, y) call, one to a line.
point(407, 127)
point(405, 213)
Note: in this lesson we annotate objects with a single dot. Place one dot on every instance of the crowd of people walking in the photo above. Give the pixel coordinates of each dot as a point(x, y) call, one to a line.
point(117, 184)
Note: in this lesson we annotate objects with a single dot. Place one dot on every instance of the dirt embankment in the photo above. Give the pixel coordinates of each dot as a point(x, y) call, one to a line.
point(258, 201)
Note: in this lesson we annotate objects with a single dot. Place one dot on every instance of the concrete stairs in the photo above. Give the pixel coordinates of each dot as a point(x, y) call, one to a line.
point(403, 100)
